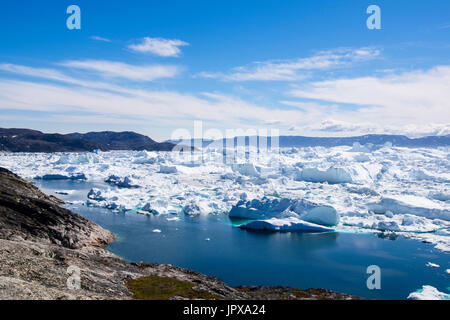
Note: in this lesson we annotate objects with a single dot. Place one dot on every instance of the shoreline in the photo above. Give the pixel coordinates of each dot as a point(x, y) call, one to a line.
point(40, 240)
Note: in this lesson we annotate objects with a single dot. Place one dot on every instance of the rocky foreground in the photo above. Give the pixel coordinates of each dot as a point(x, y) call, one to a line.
point(40, 240)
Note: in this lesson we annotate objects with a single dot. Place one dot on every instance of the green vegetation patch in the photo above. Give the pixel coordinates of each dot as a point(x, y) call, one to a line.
point(161, 288)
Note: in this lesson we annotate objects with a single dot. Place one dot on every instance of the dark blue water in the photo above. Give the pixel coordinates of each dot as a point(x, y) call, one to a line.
point(336, 261)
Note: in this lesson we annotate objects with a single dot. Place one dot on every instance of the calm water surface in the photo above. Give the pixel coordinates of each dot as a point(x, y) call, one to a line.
point(212, 245)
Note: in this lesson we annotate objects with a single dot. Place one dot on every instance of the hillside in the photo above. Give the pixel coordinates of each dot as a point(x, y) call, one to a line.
point(25, 140)
point(40, 240)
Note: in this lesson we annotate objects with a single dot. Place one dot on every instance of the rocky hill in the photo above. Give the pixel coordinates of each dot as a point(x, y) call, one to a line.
point(109, 140)
point(40, 240)
point(25, 140)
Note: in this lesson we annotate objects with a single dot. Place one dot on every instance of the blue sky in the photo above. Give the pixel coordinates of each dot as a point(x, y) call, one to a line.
point(302, 67)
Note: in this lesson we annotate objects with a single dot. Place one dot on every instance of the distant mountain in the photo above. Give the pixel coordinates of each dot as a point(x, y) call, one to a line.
point(300, 141)
point(108, 140)
point(375, 139)
point(25, 140)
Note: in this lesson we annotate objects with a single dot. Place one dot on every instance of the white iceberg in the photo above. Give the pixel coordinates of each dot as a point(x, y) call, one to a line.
point(331, 176)
point(272, 207)
point(167, 169)
point(432, 265)
point(77, 176)
point(428, 293)
point(286, 224)
point(246, 169)
point(409, 204)
point(125, 182)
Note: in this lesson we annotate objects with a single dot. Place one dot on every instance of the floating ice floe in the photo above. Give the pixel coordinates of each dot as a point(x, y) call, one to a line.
point(95, 194)
point(410, 204)
point(432, 265)
point(192, 209)
point(77, 176)
point(272, 207)
point(357, 147)
point(125, 182)
point(428, 293)
point(65, 192)
point(440, 196)
point(286, 224)
point(332, 176)
point(168, 169)
point(246, 169)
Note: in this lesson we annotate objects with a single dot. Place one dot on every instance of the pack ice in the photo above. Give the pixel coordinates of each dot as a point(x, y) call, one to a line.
point(380, 189)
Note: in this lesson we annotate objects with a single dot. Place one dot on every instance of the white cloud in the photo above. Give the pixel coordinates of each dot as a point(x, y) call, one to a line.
point(50, 74)
point(112, 69)
point(343, 127)
point(159, 46)
point(291, 70)
point(97, 38)
point(414, 103)
point(153, 106)
point(410, 98)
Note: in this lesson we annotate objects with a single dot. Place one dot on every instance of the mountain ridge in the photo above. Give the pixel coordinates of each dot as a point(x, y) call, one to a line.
point(304, 141)
point(27, 140)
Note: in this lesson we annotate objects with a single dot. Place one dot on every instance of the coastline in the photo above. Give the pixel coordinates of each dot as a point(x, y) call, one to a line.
point(40, 240)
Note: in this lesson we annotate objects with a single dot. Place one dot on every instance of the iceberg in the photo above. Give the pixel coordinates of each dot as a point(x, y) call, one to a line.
point(331, 176)
point(440, 196)
point(287, 224)
point(428, 293)
point(357, 147)
point(95, 194)
point(432, 265)
point(272, 207)
point(259, 209)
point(120, 182)
point(408, 204)
point(78, 176)
point(192, 209)
point(246, 169)
point(323, 215)
point(167, 169)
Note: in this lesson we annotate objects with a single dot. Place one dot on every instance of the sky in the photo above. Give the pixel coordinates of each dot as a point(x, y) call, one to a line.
point(302, 67)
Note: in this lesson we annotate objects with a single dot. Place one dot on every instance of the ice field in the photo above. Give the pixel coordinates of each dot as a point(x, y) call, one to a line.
point(380, 189)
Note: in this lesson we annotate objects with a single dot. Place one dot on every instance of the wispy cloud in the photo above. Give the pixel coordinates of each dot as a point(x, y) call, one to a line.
point(112, 69)
point(50, 74)
point(416, 96)
point(346, 127)
point(97, 38)
point(159, 46)
point(394, 103)
point(413, 103)
point(147, 105)
point(292, 70)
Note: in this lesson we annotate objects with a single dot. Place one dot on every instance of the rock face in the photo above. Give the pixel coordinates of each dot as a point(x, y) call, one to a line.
point(28, 214)
point(39, 241)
